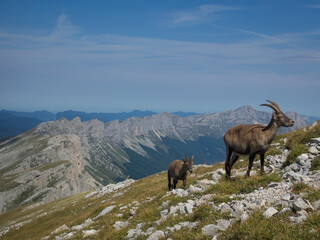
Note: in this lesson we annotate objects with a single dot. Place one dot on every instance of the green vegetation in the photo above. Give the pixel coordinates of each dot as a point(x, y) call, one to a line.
point(23, 196)
point(295, 152)
point(243, 185)
point(52, 165)
point(52, 180)
point(297, 140)
point(315, 164)
point(277, 227)
point(7, 182)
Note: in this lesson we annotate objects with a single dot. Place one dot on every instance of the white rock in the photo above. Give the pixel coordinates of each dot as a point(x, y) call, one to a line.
point(165, 204)
point(284, 210)
point(189, 225)
point(302, 158)
point(83, 225)
point(223, 224)
point(244, 217)
point(316, 205)
point(224, 207)
point(120, 224)
point(216, 177)
point(286, 197)
point(173, 209)
point(164, 213)
point(131, 233)
point(180, 192)
point(220, 171)
point(150, 230)
point(302, 213)
point(209, 230)
point(270, 212)
point(297, 219)
point(61, 229)
point(188, 208)
point(315, 140)
point(105, 211)
point(156, 235)
point(87, 233)
point(314, 150)
point(194, 189)
point(300, 204)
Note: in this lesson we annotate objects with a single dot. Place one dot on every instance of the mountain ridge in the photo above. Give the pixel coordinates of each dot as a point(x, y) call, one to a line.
point(113, 151)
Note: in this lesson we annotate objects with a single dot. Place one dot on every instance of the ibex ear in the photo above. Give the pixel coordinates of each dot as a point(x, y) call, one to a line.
point(192, 157)
point(184, 160)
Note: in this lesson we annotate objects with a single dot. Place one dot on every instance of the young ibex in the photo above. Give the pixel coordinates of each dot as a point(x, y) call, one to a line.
point(253, 139)
point(178, 171)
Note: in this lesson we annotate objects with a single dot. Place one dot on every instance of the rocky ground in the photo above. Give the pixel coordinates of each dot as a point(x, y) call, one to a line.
point(173, 211)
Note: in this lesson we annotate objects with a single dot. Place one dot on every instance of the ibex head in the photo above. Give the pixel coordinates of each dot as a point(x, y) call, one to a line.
point(278, 116)
point(189, 163)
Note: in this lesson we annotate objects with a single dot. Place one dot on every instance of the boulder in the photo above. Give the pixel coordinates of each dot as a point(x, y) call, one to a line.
point(300, 204)
point(314, 150)
point(223, 224)
point(270, 212)
point(315, 140)
point(156, 235)
point(209, 230)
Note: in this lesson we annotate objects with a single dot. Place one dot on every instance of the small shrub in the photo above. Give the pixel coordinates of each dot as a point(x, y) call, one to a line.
point(273, 151)
point(299, 187)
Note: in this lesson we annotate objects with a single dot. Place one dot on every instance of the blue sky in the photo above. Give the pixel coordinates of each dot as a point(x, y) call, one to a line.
point(168, 55)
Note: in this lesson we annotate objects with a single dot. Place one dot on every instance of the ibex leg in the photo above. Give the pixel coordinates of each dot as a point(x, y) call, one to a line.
point(262, 163)
point(227, 163)
point(251, 158)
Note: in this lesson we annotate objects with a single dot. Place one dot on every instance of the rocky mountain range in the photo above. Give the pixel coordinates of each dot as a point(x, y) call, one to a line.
point(62, 157)
point(13, 123)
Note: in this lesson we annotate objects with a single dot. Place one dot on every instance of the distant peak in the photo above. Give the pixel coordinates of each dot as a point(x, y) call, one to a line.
point(63, 119)
point(76, 119)
point(245, 108)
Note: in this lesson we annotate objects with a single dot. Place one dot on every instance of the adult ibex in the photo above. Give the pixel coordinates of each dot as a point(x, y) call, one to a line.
point(253, 139)
point(178, 171)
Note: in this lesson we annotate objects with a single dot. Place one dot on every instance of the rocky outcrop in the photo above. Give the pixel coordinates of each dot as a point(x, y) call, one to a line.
point(36, 168)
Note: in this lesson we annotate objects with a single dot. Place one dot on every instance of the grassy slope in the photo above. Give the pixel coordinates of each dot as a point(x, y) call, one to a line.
point(76, 209)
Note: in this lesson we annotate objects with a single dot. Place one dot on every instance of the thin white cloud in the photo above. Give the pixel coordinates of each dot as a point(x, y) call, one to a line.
point(203, 13)
point(313, 6)
point(123, 57)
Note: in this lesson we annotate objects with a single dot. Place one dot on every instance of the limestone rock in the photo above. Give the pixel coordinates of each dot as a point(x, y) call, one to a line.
point(300, 204)
point(105, 211)
point(87, 233)
point(156, 235)
point(120, 224)
point(270, 212)
point(60, 229)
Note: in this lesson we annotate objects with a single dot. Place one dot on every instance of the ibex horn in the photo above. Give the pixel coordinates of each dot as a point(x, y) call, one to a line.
point(274, 104)
point(271, 106)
